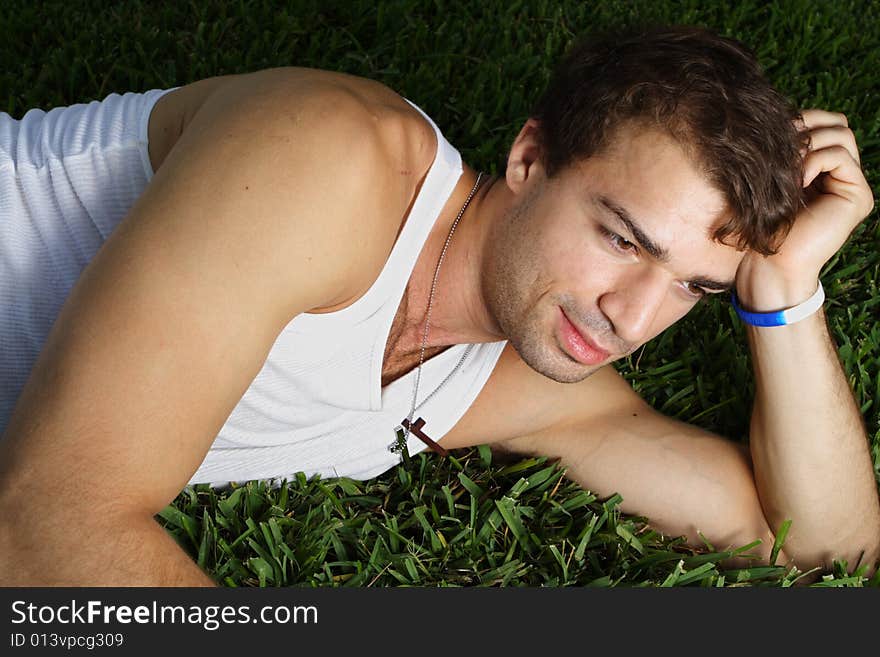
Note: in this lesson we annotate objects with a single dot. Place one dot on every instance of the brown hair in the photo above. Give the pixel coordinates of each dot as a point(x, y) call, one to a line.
point(707, 92)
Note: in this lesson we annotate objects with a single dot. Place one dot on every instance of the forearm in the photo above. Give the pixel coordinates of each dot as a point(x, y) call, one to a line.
point(809, 449)
point(51, 549)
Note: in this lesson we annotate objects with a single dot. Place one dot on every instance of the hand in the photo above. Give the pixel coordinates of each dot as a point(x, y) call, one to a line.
point(838, 199)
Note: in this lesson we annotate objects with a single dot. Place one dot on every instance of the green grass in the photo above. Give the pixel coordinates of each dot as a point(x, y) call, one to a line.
point(476, 69)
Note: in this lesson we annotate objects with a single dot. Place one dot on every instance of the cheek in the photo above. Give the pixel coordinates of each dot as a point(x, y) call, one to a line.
point(669, 315)
point(585, 265)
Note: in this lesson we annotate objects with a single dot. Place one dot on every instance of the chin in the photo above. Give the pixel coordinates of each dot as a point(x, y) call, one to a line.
point(543, 353)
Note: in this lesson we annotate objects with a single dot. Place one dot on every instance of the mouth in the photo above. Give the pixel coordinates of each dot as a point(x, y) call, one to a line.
point(580, 346)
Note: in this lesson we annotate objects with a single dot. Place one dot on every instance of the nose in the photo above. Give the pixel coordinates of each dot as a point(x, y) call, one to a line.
point(633, 304)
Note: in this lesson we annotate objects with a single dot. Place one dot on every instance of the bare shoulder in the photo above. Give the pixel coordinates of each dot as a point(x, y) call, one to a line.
point(368, 148)
point(519, 404)
point(286, 92)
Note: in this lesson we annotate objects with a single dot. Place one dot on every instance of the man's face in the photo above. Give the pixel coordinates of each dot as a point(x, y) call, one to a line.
point(562, 247)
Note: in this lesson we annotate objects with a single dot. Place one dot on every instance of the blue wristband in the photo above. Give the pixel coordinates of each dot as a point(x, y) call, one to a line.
point(782, 317)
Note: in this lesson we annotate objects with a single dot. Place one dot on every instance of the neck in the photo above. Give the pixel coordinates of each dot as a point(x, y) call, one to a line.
point(458, 312)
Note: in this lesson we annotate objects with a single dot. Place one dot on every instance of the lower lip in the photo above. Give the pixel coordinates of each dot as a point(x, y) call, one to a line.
point(579, 349)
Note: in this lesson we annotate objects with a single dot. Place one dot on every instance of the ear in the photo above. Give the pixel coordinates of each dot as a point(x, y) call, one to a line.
point(524, 160)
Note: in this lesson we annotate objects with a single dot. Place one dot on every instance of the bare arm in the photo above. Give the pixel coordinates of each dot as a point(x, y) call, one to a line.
point(809, 458)
point(809, 447)
point(685, 480)
point(84, 547)
point(808, 443)
point(169, 324)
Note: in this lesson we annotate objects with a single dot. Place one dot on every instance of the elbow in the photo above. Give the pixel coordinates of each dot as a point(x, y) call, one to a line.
point(856, 553)
point(859, 555)
point(855, 557)
point(854, 545)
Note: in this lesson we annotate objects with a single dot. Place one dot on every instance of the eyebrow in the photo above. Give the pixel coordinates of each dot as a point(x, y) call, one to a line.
point(655, 250)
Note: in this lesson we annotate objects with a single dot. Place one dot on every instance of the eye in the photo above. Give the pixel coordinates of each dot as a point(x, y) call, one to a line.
point(695, 291)
point(617, 242)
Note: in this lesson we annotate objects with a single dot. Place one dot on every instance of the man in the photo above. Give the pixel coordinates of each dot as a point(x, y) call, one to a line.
point(313, 280)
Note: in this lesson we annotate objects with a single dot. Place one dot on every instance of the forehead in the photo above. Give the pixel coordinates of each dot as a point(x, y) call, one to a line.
point(656, 180)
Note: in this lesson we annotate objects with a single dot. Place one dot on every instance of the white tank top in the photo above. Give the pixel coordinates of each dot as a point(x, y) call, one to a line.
point(317, 406)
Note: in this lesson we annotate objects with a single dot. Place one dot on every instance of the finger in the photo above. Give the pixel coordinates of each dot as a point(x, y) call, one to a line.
point(816, 118)
point(845, 177)
point(835, 161)
point(835, 136)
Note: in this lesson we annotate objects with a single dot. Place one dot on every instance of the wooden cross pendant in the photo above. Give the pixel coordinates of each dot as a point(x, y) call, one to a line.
point(416, 429)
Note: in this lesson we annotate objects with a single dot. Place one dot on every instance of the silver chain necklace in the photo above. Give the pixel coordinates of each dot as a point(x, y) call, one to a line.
point(406, 426)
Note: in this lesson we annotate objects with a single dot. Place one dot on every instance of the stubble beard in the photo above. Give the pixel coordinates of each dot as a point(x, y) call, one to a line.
point(516, 296)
